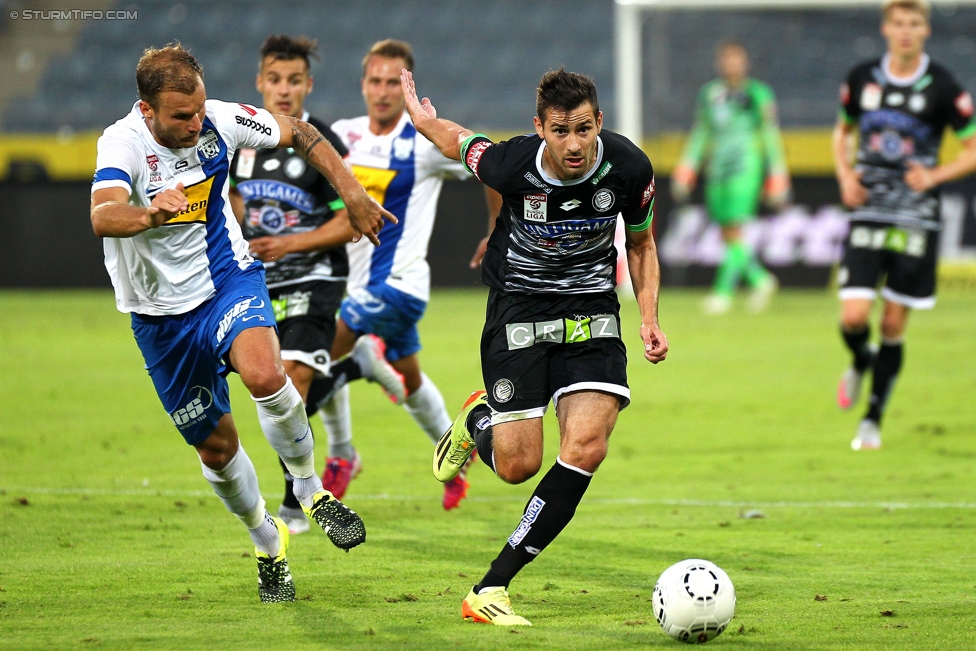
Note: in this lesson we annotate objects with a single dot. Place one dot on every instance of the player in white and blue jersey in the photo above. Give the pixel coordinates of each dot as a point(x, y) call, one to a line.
point(197, 299)
point(389, 285)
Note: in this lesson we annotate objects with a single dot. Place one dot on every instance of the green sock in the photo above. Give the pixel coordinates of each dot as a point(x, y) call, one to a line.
point(755, 274)
point(730, 270)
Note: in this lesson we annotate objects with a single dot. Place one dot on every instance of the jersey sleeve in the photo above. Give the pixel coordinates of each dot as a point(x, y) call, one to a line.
point(486, 160)
point(244, 125)
point(700, 133)
point(850, 98)
point(960, 114)
point(117, 164)
point(769, 131)
point(640, 205)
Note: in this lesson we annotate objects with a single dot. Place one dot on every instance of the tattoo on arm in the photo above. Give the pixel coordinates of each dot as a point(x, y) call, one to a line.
point(304, 138)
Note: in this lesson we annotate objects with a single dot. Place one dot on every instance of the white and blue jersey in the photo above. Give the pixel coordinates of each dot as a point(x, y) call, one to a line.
point(404, 172)
point(189, 284)
point(177, 266)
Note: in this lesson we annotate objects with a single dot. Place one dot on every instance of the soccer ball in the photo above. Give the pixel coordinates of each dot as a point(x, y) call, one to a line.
point(694, 601)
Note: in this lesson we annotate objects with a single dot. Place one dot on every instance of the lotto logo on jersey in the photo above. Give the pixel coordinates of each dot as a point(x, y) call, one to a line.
point(964, 104)
point(475, 152)
point(198, 196)
point(535, 208)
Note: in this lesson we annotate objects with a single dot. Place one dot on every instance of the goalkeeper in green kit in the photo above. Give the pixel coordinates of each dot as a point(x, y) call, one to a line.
point(736, 132)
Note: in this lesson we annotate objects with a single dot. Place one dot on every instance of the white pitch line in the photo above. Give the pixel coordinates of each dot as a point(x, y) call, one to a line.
point(150, 492)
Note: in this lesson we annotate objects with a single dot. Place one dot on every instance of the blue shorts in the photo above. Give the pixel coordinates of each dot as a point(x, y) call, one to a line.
point(389, 314)
point(187, 354)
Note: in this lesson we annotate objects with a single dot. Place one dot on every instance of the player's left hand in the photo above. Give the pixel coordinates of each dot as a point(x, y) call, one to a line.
point(655, 343)
point(366, 217)
point(269, 249)
point(918, 177)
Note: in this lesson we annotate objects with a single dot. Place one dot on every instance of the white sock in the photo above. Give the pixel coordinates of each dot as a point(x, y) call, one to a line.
point(236, 484)
point(283, 421)
point(265, 536)
point(426, 405)
point(337, 418)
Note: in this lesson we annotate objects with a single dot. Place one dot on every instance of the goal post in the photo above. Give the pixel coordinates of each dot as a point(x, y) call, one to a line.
point(628, 42)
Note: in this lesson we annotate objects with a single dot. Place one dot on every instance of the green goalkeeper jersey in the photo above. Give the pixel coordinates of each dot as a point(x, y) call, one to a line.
point(736, 131)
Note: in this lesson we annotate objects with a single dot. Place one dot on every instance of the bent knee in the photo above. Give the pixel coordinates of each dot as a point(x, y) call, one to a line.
point(264, 382)
point(517, 471)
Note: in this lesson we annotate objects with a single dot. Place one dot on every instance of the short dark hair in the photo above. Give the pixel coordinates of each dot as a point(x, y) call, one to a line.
point(390, 49)
point(565, 91)
point(171, 68)
point(282, 47)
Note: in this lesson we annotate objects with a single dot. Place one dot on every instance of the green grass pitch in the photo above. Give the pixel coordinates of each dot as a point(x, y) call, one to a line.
point(111, 539)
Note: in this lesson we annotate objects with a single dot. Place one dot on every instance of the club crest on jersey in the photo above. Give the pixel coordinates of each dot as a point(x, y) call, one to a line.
point(895, 99)
point(209, 145)
point(535, 208)
point(871, 97)
point(294, 168)
point(402, 148)
point(603, 200)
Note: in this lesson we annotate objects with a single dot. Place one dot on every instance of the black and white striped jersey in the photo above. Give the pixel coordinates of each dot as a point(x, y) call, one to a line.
point(557, 236)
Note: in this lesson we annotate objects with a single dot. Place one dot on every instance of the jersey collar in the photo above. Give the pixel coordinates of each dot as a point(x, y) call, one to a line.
point(550, 180)
point(923, 67)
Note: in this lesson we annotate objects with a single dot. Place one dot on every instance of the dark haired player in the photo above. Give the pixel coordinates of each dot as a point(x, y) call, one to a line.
point(899, 106)
point(297, 226)
point(197, 299)
point(552, 329)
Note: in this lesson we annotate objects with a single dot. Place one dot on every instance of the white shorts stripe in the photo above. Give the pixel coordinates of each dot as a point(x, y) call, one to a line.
point(914, 302)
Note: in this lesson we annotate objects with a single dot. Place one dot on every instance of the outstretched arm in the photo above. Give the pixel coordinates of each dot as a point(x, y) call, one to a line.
point(446, 135)
point(365, 215)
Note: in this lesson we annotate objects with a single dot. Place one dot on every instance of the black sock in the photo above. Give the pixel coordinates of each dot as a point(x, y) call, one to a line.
point(857, 342)
point(479, 426)
point(886, 367)
point(550, 509)
point(323, 388)
point(289, 500)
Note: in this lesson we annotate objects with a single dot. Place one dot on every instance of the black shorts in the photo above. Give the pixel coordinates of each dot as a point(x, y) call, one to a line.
point(904, 257)
point(535, 348)
point(306, 315)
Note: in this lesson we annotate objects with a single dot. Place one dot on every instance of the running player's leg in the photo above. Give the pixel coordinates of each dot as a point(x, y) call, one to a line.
point(861, 268)
point(180, 359)
point(910, 284)
point(306, 329)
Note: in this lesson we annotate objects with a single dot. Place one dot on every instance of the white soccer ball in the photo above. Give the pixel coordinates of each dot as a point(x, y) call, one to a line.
point(694, 601)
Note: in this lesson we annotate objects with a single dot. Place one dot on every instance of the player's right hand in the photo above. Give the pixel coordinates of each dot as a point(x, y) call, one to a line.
point(853, 194)
point(167, 204)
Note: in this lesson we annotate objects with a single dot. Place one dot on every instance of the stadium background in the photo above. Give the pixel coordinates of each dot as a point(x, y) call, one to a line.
point(67, 79)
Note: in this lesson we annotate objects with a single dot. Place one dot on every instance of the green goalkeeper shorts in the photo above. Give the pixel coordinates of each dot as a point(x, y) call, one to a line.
point(734, 200)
